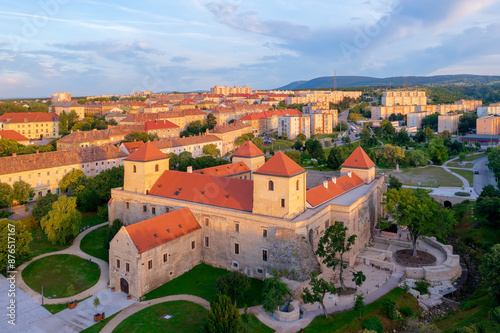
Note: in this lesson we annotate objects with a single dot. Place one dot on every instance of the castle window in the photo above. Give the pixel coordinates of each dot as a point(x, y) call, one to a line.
point(237, 227)
point(236, 248)
point(153, 210)
point(270, 186)
point(167, 209)
point(259, 271)
point(264, 233)
point(117, 263)
point(282, 202)
point(264, 255)
point(207, 221)
point(135, 169)
point(193, 245)
point(207, 242)
point(157, 168)
point(297, 184)
point(127, 267)
point(144, 208)
point(327, 224)
point(165, 257)
point(150, 264)
point(128, 205)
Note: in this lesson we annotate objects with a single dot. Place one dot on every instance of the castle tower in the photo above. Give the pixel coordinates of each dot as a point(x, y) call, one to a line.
point(249, 154)
point(143, 168)
point(359, 163)
point(279, 188)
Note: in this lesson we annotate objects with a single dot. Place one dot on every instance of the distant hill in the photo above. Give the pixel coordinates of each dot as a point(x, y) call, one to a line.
point(359, 81)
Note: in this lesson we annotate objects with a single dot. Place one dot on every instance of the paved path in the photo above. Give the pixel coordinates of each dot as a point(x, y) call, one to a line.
point(74, 249)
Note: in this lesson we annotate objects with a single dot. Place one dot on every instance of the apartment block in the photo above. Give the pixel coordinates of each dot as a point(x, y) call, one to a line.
point(414, 119)
point(469, 105)
point(489, 125)
point(392, 98)
point(60, 97)
point(67, 107)
point(229, 133)
point(227, 90)
point(291, 126)
point(383, 112)
point(483, 111)
point(322, 123)
point(321, 96)
point(33, 125)
point(448, 122)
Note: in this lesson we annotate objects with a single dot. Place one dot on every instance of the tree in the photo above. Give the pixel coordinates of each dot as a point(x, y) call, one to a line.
point(43, 206)
point(462, 156)
point(359, 304)
point(72, 180)
point(22, 192)
point(211, 150)
point(259, 142)
point(489, 208)
point(140, 136)
point(333, 245)
point(8, 147)
point(196, 127)
point(62, 223)
point(490, 269)
point(428, 133)
point(63, 123)
point(294, 155)
point(365, 134)
point(315, 149)
point(390, 155)
point(72, 118)
point(354, 117)
point(211, 121)
point(223, 316)
point(318, 289)
point(96, 302)
point(387, 127)
point(335, 158)
point(419, 212)
point(5, 195)
point(437, 151)
point(419, 136)
point(445, 135)
point(233, 285)
point(302, 137)
point(417, 157)
point(488, 191)
point(21, 252)
point(275, 293)
point(298, 145)
point(81, 126)
point(346, 139)
point(402, 138)
point(174, 160)
point(394, 183)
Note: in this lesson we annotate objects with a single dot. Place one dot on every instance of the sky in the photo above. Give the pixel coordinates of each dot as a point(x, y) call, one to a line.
point(89, 47)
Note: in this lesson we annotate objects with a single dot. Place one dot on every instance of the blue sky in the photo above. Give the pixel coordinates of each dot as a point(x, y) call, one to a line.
point(89, 47)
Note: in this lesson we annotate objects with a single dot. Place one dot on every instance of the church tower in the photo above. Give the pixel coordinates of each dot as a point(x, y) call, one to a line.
point(279, 188)
point(359, 163)
point(251, 155)
point(143, 168)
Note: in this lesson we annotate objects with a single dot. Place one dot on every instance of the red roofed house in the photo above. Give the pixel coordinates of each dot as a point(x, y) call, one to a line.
point(13, 135)
point(146, 254)
point(164, 128)
point(33, 125)
point(269, 221)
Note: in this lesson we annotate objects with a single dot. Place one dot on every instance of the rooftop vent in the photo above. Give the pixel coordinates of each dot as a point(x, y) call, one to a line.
point(168, 230)
point(227, 195)
point(180, 226)
point(156, 235)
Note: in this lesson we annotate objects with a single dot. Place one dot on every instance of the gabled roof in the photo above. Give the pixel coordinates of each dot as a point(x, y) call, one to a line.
point(210, 190)
point(224, 170)
point(358, 159)
point(320, 194)
point(248, 149)
point(147, 152)
point(27, 117)
point(132, 146)
point(280, 165)
point(13, 135)
point(159, 124)
point(162, 229)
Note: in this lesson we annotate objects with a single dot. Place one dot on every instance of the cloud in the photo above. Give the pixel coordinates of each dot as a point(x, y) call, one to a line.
point(179, 59)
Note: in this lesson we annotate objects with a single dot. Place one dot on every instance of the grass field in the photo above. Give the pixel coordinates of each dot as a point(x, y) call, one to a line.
point(93, 243)
point(457, 165)
point(55, 273)
point(467, 174)
point(40, 244)
point(280, 144)
point(186, 317)
point(349, 321)
point(473, 157)
point(200, 281)
point(430, 176)
point(90, 219)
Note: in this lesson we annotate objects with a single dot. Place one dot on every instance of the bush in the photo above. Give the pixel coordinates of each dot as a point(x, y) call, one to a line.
point(373, 324)
point(496, 314)
point(5, 214)
point(389, 307)
point(422, 287)
point(407, 311)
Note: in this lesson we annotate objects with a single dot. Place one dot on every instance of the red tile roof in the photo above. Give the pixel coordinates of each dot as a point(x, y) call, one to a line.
point(151, 233)
point(147, 152)
point(132, 146)
point(280, 165)
point(320, 194)
point(159, 124)
point(248, 149)
point(358, 159)
point(13, 135)
point(229, 128)
point(210, 190)
point(29, 117)
point(224, 170)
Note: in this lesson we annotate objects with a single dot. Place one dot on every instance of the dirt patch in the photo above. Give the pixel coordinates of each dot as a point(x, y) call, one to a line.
point(422, 258)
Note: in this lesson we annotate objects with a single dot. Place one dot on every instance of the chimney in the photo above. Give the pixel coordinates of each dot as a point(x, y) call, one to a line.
point(14, 154)
point(37, 151)
point(349, 174)
point(189, 169)
point(334, 180)
point(325, 184)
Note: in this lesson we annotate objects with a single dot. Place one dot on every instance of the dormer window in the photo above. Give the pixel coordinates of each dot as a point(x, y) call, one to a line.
point(270, 185)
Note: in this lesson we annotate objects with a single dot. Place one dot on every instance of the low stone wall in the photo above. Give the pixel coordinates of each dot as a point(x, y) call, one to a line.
point(292, 314)
point(381, 264)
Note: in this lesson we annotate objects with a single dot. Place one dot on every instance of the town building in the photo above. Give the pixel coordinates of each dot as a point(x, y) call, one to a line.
point(13, 135)
point(489, 125)
point(33, 125)
point(229, 133)
point(60, 97)
point(414, 119)
point(469, 105)
point(440, 108)
point(111, 135)
point(483, 111)
point(323, 123)
point(448, 122)
point(291, 126)
point(219, 90)
point(162, 128)
point(321, 96)
point(67, 107)
point(175, 220)
point(383, 112)
point(403, 97)
point(43, 171)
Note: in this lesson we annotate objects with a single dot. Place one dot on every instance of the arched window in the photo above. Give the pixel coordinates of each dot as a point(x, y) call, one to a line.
point(297, 184)
point(270, 186)
point(157, 168)
point(135, 169)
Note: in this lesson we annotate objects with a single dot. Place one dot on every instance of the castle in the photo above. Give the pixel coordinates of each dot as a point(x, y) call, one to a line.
point(251, 215)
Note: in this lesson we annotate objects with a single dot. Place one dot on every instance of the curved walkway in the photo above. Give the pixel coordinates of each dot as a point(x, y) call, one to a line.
point(74, 249)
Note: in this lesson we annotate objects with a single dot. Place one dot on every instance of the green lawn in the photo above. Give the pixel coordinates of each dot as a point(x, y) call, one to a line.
point(334, 134)
point(55, 308)
point(40, 244)
point(430, 176)
point(473, 157)
point(99, 326)
point(280, 144)
point(90, 219)
point(349, 321)
point(200, 281)
point(256, 326)
point(55, 273)
point(467, 174)
point(93, 243)
point(456, 165)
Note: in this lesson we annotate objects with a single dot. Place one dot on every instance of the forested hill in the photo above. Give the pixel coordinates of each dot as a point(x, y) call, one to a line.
point(358, 81)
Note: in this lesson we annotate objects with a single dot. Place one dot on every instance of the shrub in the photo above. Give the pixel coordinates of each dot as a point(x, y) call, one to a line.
point(407, 311)
point(373, 324)
point(496, 314)
point(5, 214)
point(389, 307)
point(422, 287)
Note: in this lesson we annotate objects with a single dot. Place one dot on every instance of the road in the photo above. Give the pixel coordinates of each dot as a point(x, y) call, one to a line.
point(485, 177)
